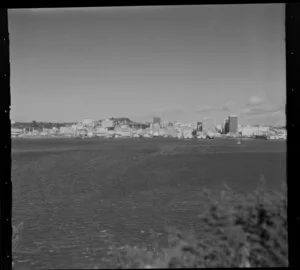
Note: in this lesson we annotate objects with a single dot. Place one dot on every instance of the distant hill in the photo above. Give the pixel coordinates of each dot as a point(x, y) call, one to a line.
point(122, 120)
point(39, 125)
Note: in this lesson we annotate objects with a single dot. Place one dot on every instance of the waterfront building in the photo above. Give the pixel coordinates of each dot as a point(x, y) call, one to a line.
point(219, 128)
point(226, 125)
point(107, 123)
point(199, 126)
point(16, 132)
point(87, 122)
point(233, 124)
point(156, 120)
point(171, 131)
point(209, 125)
point(67, 130)
point(156, 128)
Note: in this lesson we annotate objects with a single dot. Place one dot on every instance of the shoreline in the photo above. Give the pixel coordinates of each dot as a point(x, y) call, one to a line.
point(142, 138)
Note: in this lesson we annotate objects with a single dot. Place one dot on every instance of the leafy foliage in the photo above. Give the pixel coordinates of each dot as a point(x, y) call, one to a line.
point(38, 125)
point(236, 230)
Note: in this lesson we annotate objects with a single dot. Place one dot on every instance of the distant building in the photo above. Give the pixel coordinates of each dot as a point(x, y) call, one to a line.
point(249, 131)
point(208, 125)
point(199, 126)
point(46, 130)
point(100, 131)
point(156, 120)
point(171, 131)
point(219, 128)
point(226, 126)
point(107, 123)
point(87, 122)
point(16, 131)
point(66, 130)
point(233, 124)
point(155, 127)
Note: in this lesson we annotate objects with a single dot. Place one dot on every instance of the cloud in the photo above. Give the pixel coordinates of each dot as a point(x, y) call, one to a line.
point(205, 109)
point(257, 108)
point(254, 101)
point(264, 114)
point(263, 110)
point(227, 106)
point(167, 111)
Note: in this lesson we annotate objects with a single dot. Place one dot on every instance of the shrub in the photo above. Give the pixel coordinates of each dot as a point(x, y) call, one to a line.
point(236, 230)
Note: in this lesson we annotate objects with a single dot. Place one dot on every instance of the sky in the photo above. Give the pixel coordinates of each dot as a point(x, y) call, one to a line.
point(181, 63)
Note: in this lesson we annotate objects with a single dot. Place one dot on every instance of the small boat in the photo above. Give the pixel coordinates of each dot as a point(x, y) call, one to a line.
point(239, 142)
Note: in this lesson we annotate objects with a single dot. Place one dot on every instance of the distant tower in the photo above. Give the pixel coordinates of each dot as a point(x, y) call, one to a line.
point(156, 120)
point(226, 125)
point(233, 124)
point(209, 124)
point(199, 126)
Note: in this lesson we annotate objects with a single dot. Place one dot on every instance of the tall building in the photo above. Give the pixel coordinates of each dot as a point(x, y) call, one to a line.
point(199, 126)
point(226, 125)
point(87, 122)
point(208, 125)
point(156, 120)
point(233, 124)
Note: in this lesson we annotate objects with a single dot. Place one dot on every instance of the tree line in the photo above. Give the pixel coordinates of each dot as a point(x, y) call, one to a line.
point(38, 125)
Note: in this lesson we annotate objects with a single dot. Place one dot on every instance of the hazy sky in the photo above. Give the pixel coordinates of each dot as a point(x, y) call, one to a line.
point(180, 62)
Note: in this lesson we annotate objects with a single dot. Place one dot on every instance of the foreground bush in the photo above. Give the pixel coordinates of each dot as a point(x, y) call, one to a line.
point(236, 230)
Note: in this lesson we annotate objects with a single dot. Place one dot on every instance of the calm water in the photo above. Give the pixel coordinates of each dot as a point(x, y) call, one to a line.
point(76, 197)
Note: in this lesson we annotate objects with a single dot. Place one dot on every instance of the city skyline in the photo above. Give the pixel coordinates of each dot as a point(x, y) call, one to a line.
point(180, 63)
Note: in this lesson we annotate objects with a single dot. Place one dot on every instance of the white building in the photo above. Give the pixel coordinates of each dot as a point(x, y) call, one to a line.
point(249, 131)
point(87, 122)
point(107, 123)
point(101, 130)
point(46, 130)
point(187, 133)
point(209, 125)
point(90, 134)
point(67, 130)
point(16, 131)
point(219, 128)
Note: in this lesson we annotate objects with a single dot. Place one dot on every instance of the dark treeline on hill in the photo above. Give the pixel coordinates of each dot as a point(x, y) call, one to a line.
point(127, 121)
point(123, 120)
point(39, 125)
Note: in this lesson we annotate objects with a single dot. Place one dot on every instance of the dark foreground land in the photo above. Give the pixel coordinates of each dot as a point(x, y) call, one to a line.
point(76, 197)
